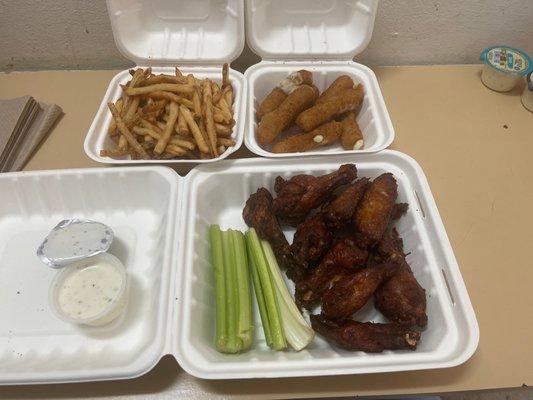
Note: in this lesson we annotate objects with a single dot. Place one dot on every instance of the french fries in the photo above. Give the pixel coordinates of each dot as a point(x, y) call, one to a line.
point(162, 116)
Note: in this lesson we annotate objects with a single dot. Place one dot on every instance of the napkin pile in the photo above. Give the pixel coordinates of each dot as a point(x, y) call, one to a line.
point(24, 123)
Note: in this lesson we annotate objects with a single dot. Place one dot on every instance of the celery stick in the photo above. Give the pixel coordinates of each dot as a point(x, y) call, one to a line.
point(259, 297)
point(217, 260)
point(297, 331)
point(233, 343)
point(274, 318)
point(244, 316)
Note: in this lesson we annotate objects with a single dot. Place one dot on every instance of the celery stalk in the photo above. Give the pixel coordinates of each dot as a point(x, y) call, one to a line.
point(217, 260)
point(244, 311)
point(297, 331)
point(233, 343)
point(268, 289)
point(259, 297)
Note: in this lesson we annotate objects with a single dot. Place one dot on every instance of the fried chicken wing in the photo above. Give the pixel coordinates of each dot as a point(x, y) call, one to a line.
point(374, 212)
point(340, 210)
point(302, 193)
point(366, 336)
point(258, 214)
point(311, 240)
point(399, 210)
point(401, 299)
point(345, 257)
point(350, 293)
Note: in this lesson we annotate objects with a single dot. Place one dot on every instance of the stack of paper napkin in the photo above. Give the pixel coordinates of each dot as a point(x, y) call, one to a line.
point(24, 124)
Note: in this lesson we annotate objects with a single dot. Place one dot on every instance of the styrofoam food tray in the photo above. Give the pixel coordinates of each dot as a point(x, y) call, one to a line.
point(197, 36)
point(373, 118)
point(323, 37)
point(160, 221)
point(452, 333)
point(140, 205)
point(97, 137)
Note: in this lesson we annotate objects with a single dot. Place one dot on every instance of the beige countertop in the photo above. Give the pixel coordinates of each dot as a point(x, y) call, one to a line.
point(475, 147)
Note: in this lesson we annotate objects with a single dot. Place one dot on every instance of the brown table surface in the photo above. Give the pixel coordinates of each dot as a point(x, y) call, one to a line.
point(475, 147)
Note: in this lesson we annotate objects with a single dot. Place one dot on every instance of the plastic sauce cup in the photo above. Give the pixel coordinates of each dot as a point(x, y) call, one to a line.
point(503, 67)
point(92, 291)
point(527, 96)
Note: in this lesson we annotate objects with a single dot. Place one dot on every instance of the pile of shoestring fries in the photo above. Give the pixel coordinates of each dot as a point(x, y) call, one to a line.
point(166, 117)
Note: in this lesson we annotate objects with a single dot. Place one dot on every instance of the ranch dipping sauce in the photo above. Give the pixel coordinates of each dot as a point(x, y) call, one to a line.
point(91, 292)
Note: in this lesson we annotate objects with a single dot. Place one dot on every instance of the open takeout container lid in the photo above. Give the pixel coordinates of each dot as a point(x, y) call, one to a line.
point(164, 32)
point(306, 30)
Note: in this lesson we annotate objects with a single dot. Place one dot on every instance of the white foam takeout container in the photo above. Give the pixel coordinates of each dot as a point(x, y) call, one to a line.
point(196, 36)
point(161, 224)
point(322, 37)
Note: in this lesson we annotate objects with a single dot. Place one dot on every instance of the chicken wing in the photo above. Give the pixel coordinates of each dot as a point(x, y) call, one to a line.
point(258, 214)
point(374, 212)
point(311, 240)
point(302, 193)
point(340, 210)
point(366, 336)
point(399, 210)
point(343, 258)
point(401, 299)
point(350, 293)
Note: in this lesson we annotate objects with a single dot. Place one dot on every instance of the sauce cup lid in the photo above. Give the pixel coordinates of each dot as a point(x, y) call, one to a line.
point(507, 60)
point(73, 240)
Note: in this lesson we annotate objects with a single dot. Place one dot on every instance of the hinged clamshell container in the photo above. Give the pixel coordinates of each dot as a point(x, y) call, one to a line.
point(160, 221)
point(197, 36)
point(322, 37)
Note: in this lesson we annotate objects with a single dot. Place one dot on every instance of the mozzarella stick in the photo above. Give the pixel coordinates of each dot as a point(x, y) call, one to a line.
point(169, 128)
point(291, 82)
point(277, 120)
point(321, 136)
point(195, 130)
point(347, 100)
point(270, 102)
point(351, 136)
point(343, 82)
